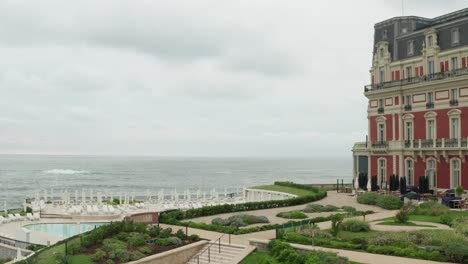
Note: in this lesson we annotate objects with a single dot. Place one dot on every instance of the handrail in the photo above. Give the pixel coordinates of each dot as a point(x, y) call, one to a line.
point(208, 248)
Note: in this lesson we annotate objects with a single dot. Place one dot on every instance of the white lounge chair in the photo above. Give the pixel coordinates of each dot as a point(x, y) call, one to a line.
point(19, 217)
point(36, 216)
point(30, 217)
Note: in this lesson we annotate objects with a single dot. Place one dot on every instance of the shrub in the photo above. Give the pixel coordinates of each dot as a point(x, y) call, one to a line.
point(123, 255)
point(194, 237)
point(355, 226)
point(456, 251)
point(318, 208)
point(123, 236)
point(74, 248)
point(175, 241)
point(389, 202)
point(459, 190)
point(165, 233)
point(336, 222)
point(292, 215)
point(369, 198)
point(163, 242)
point(99, 256)
point(110, 261)
point(432, 208)
point(348, 209)
point(180, 234)
point(402, 216)
point(446, 219)
point(220, 221)
point(145, 250)
point(461, 225)
point(111, 254)
point(113, 244)
point(136, 241)
point(136, 255)
point(154, 231)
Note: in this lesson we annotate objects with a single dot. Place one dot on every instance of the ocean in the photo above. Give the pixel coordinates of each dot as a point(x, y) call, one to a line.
point(22, 176)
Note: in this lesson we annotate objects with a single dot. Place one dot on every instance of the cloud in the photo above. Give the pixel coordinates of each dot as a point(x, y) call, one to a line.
point(222, 78)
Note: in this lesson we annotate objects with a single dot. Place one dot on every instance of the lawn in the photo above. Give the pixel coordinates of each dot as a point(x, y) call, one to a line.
point(393, 223)
point(81, 259)
point(278, 188)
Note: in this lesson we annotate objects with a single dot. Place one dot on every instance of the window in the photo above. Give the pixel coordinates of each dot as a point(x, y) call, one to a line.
point(381, 53)
point(454, 63)
point(410, 171)
point(384, 34)
point(381, 133)
point(404, 30)
point(430, 41)
point(382, 171)
point(409, 72)
point(430, 97)
point(454, 93)
point(455, 169)
point(408, 100)
point(410, 47)
point(409, 130)
point(382, 74)
point(455, 36)
point(380, 103)
point(431, 173)
point(430, 129)
point(430, 65)
point(455, 128)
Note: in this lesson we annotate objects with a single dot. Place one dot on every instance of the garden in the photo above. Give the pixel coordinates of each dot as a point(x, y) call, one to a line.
point(118, 242)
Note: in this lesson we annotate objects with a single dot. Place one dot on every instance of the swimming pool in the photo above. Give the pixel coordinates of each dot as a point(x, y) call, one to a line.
point(64, 229)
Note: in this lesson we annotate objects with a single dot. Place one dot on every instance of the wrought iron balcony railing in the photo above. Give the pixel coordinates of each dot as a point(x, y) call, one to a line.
point(425, 78)
point(454, 102)
point(408, 107)
point(430, 105)
point(436, 143)
point(380, 110)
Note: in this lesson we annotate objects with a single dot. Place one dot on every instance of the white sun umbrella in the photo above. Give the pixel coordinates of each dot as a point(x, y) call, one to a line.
point(91, 195)
point(99, 198)
point(225, 192)
point(76, 196)
point(189, 196)
point(120, 199)
point(5, 207)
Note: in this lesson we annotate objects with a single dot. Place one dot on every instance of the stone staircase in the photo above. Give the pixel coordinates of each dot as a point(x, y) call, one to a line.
point(221, 253)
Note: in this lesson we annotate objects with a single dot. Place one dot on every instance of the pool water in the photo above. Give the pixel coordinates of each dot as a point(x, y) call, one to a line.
point(64, 229)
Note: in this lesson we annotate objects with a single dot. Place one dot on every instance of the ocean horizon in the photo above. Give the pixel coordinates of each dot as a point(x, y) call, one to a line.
point(22, 176)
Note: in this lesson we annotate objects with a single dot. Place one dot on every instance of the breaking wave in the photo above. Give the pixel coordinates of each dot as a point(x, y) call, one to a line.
point(65, 171)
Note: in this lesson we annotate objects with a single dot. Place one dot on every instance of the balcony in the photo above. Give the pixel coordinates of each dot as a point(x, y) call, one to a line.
point(379, 146)
point(360, 146)
point(380, 110)
point(421, 79)
point(408, 107)
point(430, 105)
point(435, 144)
point(454, 102)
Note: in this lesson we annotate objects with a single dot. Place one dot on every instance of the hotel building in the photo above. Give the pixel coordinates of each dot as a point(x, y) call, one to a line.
point(418, 102)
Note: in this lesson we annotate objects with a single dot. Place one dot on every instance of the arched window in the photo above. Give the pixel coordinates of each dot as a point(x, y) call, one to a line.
point(409, 166)
point(381, 129)
point(455, 173)
point(431, 125)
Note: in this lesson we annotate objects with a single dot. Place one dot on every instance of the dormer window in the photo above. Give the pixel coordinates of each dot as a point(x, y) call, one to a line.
point(384, 34)
point(455, 36)
point(404, 30)
point(410, 47)
point(430, 41)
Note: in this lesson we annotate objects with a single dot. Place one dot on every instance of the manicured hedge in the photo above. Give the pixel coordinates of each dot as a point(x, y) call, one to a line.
point(383, 201)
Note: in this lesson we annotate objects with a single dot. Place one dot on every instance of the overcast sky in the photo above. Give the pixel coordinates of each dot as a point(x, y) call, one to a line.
point(189, 78)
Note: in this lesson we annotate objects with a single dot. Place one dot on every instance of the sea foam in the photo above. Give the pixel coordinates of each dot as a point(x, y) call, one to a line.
point(65, 171)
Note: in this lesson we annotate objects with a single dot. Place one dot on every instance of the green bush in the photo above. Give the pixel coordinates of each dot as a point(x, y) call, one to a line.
point(181, 234)
point(136, 241)
point(456, 251)
point(459, 190)
point(292, 215)
point(240, 220)
point(123, 255)
point(165, 233)
point(99, 256)
point(369, 198)
point(461, 225)
point(163, 242)
point(348, 209)
point(402, 216)
point(74, 248)
point(194, 237)
point(318, 208)
point(175, 241)
point(431, 208)
point(123, 236)
point(446, 219)
point(110, 261)
point(136, 255)
point(389, 202)
point(145, 250)
point(111, 254)
point(154, 231)
point(355, 226)
point(220, 221)
point(113, 245)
